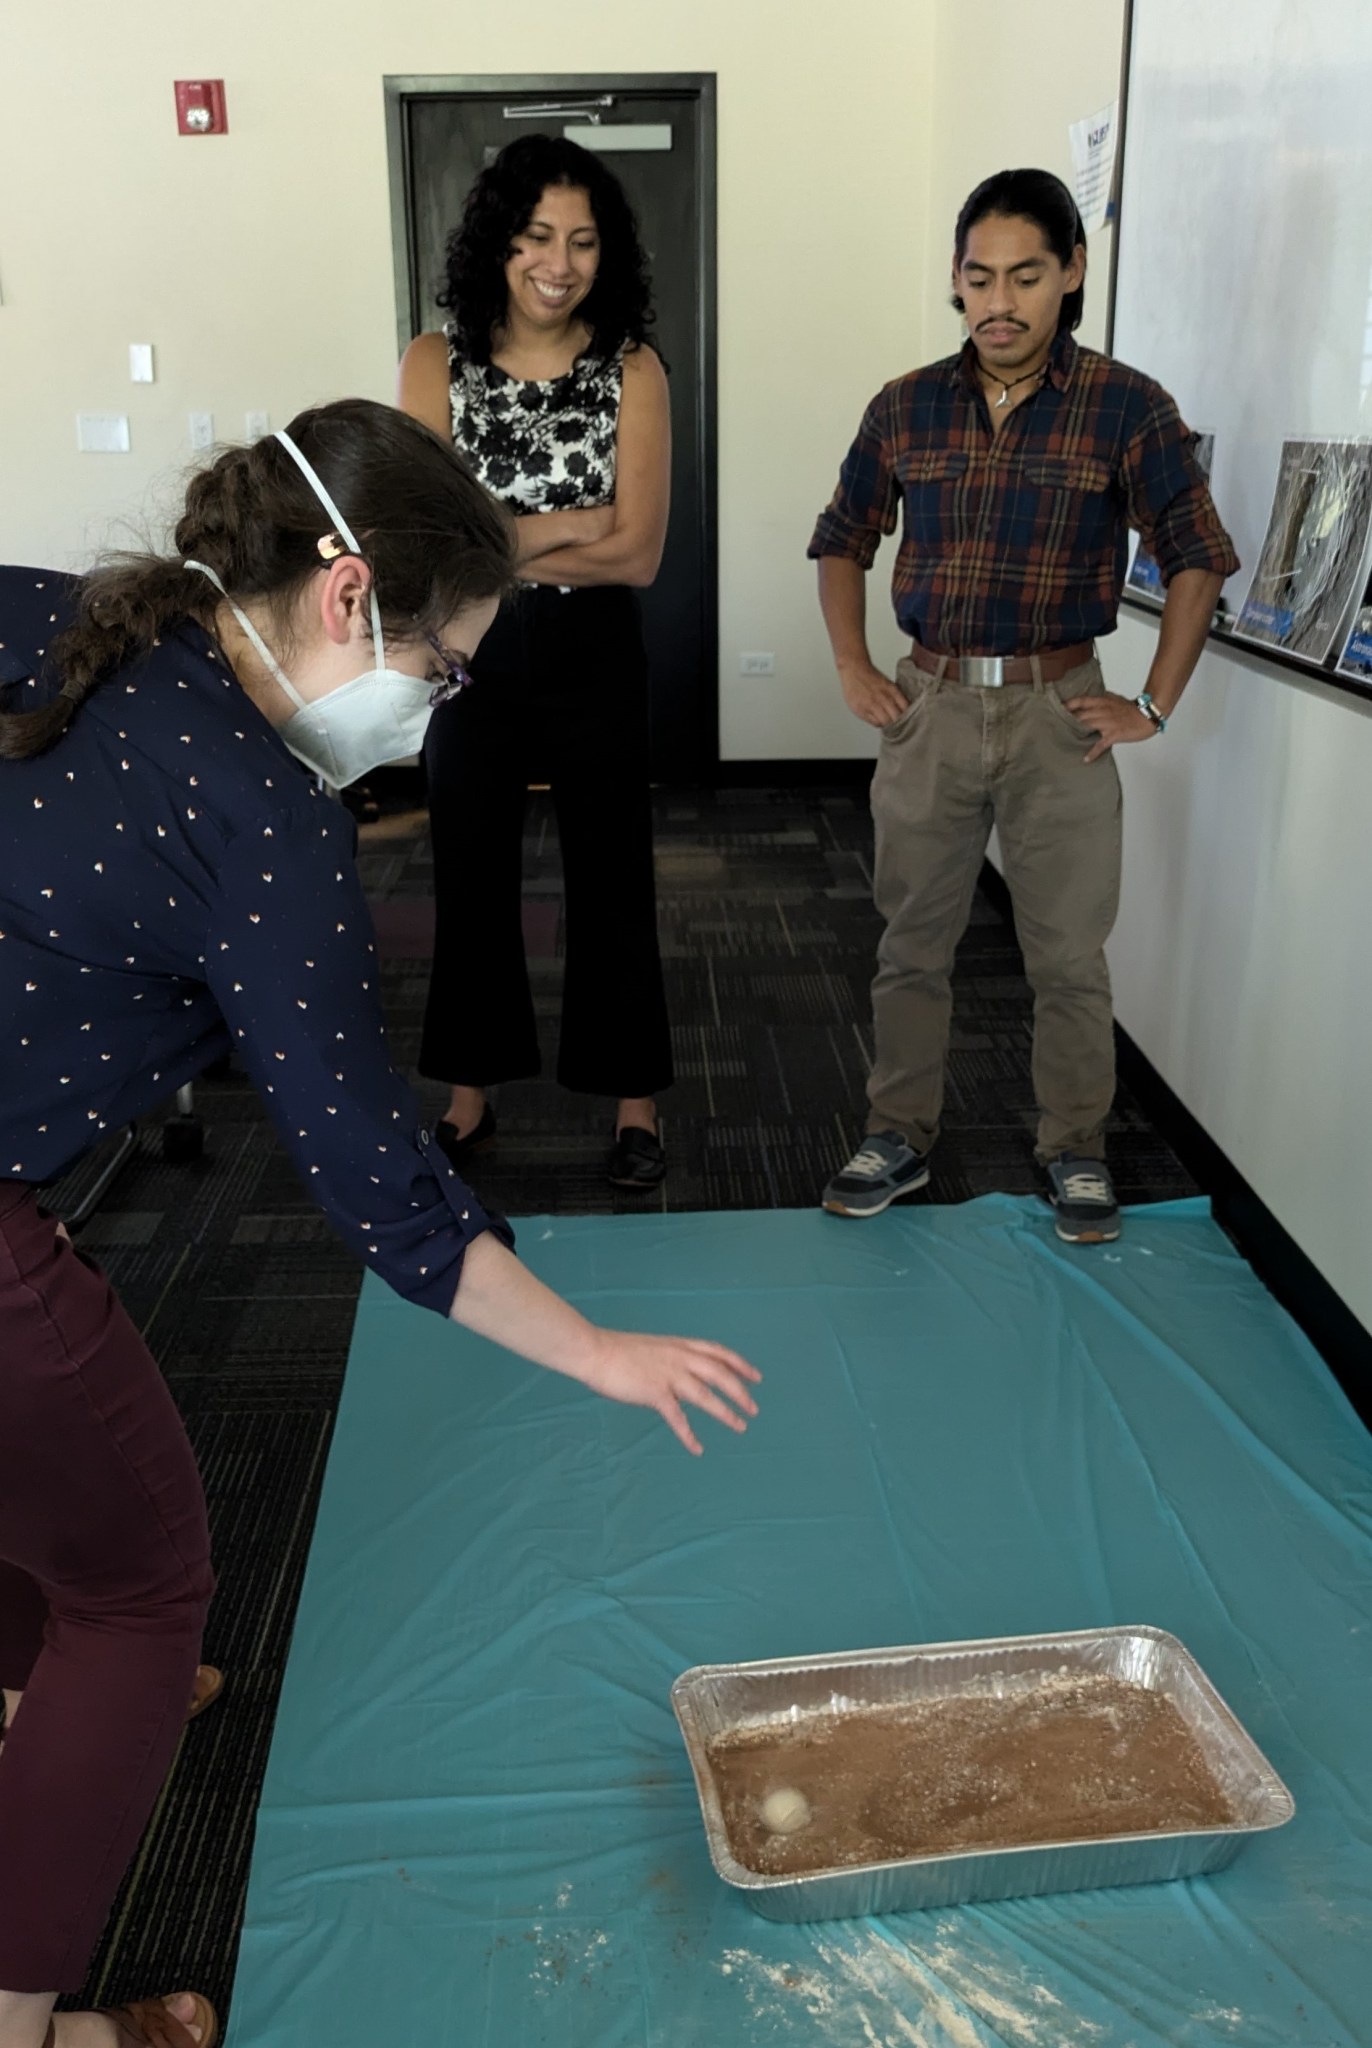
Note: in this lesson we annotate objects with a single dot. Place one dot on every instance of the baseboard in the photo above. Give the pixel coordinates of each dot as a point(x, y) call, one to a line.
point(401, 789)
point(1288, 1273)
point(844, 772)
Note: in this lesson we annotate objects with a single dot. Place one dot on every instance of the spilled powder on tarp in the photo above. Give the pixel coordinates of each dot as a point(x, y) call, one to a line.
point(1024, 2014)
point(907, 2005)
point(867, 1988)
point(566, 1954)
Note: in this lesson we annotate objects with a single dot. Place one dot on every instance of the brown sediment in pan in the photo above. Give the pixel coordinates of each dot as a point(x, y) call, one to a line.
point(1072, 1757)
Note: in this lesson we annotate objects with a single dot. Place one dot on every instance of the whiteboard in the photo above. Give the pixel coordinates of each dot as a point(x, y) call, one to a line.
point(1243, 278)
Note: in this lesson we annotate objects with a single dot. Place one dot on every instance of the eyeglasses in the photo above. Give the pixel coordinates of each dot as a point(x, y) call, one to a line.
point(455, 675)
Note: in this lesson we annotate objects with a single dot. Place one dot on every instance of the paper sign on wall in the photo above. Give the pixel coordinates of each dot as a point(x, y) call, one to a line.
point(1093, 165)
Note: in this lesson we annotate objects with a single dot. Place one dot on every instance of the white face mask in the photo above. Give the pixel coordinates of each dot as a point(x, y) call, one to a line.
point(381, 715)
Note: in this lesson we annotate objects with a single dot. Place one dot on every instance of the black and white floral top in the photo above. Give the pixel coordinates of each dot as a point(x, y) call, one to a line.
point(539, 446)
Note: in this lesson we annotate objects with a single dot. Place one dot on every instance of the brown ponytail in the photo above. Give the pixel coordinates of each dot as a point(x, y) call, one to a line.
point(435, 540)
point(123, 607)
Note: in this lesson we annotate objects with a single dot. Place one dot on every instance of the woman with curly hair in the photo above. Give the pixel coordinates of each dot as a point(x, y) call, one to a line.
point(548, 381)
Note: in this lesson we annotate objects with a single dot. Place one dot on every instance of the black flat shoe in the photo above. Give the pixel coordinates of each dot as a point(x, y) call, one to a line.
point(636, 1160)
point(456, 1148)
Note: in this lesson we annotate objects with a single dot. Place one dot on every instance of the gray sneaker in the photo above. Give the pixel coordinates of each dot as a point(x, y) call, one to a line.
point(883, 1170)
point(1083, 1194)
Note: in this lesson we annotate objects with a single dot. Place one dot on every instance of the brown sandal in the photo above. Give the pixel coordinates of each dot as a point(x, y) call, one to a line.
point(147, 2024)
point(209, 1683)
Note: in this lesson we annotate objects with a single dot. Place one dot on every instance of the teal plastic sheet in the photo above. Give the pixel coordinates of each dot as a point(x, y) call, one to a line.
point(479, 1829)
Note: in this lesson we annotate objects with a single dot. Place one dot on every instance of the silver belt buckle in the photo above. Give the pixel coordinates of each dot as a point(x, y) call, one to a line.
point(984, 671)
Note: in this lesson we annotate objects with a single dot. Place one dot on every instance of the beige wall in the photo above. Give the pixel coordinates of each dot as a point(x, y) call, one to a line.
point(1239, 961)
point(1004, 100)
point(259, 264)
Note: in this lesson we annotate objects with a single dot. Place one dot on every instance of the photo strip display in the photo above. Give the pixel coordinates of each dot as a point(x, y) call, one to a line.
point(1314, 560)
point(1356, 659)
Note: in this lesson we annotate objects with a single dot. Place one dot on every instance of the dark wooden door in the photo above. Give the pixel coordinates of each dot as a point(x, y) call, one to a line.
point(445, 137)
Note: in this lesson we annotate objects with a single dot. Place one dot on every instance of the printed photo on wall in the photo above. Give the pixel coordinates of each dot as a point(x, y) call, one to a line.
point(1314, 560)
point(1144, 574)
point(1356, 659)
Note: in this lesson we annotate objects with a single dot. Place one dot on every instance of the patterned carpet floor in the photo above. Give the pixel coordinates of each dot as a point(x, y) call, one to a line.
point(247, 1299)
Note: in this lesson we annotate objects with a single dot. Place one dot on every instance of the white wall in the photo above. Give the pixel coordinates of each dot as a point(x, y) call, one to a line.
point(1004, 96)
point(259, 264)
point(1241, 960)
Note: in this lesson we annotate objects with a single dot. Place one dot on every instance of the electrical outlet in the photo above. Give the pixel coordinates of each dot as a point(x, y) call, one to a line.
point(756, 664)
point(256, 425)
point(202, 430)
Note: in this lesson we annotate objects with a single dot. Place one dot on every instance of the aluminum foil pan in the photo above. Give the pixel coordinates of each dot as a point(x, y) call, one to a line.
point(716, 1699)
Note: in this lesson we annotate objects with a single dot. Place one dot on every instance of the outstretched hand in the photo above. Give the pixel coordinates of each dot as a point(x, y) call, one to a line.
point(501, 1299)
point(663, 1372)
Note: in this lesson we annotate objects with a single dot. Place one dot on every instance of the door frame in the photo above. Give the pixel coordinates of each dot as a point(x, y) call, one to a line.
point(402, 88)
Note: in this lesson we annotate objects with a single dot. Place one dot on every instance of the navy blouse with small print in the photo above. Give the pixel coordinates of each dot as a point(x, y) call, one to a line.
point(173, 885)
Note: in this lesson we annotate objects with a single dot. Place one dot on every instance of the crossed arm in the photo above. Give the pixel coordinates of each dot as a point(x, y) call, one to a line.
point(618, 543)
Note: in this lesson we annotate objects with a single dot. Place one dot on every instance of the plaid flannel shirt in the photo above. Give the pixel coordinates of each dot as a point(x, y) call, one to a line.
point(1018, 541)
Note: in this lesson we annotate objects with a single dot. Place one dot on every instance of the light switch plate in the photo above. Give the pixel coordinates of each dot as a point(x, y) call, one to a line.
point(102, 433)
point(202, 430)
point(140, 362)
point(256, 424)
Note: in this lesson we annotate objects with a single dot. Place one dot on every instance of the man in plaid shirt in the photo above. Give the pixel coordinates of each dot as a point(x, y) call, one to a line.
point(1019, 465)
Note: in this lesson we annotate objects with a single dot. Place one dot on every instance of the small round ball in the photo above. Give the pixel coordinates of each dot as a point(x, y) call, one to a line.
point(785, 1812)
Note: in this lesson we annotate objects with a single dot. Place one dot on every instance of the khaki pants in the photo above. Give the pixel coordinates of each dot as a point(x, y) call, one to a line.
point(958, 761)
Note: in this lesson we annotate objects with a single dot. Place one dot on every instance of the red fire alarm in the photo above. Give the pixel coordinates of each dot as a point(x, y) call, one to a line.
point(200, 107)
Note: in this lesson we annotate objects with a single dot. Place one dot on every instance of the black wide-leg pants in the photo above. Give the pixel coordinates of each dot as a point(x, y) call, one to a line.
point(559, 696)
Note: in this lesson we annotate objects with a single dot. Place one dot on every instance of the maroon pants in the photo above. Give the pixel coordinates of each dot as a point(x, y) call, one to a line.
point(104, 1582)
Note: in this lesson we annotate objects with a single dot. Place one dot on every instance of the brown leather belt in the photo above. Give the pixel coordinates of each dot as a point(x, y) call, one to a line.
point(989, 671)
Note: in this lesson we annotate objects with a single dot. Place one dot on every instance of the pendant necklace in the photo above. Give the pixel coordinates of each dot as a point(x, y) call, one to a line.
point(1006, 389)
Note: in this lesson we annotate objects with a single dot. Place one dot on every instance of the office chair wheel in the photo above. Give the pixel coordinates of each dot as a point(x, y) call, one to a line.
point(183, 1138)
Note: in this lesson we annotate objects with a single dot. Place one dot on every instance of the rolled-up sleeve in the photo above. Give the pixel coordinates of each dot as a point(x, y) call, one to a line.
point(1169, 499)
point(867, 501)
point(291, 961)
